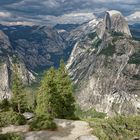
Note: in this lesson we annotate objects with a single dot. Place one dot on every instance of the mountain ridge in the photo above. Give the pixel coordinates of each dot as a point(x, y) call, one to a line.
point(92, 58)
point(106, 70)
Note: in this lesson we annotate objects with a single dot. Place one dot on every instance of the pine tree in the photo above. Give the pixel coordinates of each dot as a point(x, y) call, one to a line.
point(18, 99)
point(48, 98)
point(65, 90)
point(55, 95)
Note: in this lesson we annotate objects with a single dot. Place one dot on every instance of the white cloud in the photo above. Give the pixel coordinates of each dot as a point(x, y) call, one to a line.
point(115, 1)
point(18, 23)
point(135, 17)
point(51, 3)
point(62, 11)
point(4, 14)
point(76, 18)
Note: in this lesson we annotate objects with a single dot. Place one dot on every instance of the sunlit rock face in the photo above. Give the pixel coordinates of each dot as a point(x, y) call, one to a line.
point(4, 40)
point(7, 61)
point(113, 21)
point(5, 91)
point(106, 68)
point(6, 70)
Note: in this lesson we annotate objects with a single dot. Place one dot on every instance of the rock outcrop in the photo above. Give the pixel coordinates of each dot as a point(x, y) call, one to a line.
point(88, 137)
point(4, 41)
point(6, 69)
point(36, 48)
point(5, 91)
point(7, 60)
point(106, 68)
point(67, 130)
point(113, 21)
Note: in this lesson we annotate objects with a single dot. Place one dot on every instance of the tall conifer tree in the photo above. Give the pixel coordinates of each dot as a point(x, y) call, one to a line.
point(48, 98)
point(55, 95)
point(18, 99)
point(65, 89)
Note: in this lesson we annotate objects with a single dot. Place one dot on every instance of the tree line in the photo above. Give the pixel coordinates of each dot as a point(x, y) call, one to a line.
point(53, 99)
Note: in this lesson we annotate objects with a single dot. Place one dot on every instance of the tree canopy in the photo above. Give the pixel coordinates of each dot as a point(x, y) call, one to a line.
point(55, 94)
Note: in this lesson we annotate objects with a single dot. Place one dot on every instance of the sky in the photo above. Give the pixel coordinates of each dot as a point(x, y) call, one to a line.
point(51, 12)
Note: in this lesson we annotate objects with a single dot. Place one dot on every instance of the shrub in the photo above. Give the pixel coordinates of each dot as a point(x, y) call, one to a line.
point(108, 51)
point(92, 35)
point(5, 105)
point(11, 118)
point(42, 122)
point(117, 34)
point(117, 128)
point(97, 43)
point(10, 136)
point(92, 113)
point(135, 58)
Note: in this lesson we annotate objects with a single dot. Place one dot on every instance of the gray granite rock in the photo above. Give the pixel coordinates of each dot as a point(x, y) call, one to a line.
point(106, 70)
point(28, 115)
point(88, 137)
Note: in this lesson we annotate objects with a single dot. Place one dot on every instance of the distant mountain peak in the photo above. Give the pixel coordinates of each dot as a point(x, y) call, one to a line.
point(114, 12)
point(113, 21)
point(105, 67)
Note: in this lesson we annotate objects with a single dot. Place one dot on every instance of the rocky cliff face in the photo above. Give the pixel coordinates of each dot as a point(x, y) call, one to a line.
point(105, 67)
point(7, 59)
point(113, 22)
point(39, 47)
point(36, 49)
point(6, 69)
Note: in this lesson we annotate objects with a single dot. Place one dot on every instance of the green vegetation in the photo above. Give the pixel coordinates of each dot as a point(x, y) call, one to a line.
point(10, 136)
point(11, 110)
point(47, 97)
point(30, 96)
point(42, 122)
point(96, 43)
point(19, 101)
point(136, 77)
point(92, 35)
point(65, 89)
point(117, 128)
point(117, 34)
point(89, 114)
point(135, 58)
point(54, 96)
point(108, 51)
point(11, 118)
point(54, 99)
point(96, 40)
point(5, 105)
